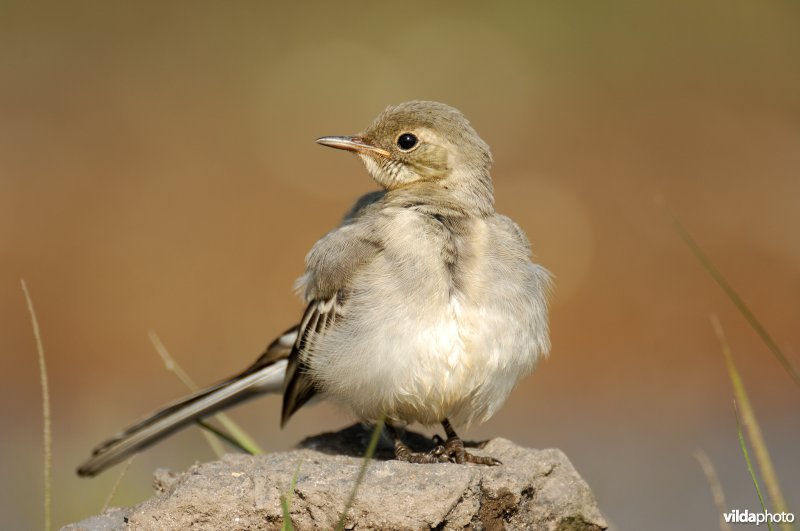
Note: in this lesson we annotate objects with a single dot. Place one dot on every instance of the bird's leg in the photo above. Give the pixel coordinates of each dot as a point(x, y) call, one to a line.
point(403, 453)
point(454, 449)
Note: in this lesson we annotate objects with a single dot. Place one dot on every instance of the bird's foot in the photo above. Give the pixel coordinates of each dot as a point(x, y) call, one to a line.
point(404, 453)
point(453, 451)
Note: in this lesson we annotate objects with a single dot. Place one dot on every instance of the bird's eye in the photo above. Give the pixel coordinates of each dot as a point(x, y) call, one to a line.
point(407, 141)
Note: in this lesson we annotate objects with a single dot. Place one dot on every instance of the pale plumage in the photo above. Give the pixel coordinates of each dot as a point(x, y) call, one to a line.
point(432, 340)
point(423, 306)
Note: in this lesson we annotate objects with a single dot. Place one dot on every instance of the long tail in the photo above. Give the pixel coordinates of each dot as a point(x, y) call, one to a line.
point(264, 376)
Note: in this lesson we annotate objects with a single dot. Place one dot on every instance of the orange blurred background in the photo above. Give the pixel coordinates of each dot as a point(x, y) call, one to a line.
point(158, 171)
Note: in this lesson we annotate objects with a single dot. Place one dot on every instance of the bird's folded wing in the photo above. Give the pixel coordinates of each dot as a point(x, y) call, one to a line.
point(299, 385)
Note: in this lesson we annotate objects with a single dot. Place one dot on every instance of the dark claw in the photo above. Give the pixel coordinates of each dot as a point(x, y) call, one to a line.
point(404, 453)
point(454, 448)
point(446, 451)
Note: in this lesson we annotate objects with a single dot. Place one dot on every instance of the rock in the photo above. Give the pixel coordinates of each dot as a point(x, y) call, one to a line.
point(533, 489)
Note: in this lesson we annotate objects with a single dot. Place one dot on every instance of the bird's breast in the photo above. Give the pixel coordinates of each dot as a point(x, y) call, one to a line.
point(426, 334)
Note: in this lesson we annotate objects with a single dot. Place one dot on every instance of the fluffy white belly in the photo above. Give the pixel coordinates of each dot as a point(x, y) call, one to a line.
point(421, 341)
point(448, 360)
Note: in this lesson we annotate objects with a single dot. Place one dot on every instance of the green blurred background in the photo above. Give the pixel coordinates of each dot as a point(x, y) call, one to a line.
point(158, 171)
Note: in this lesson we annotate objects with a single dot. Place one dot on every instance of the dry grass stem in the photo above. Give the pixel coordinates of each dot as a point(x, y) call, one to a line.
point(116, 484)
point(46, 431)
point(716, 487)
point(747, 417)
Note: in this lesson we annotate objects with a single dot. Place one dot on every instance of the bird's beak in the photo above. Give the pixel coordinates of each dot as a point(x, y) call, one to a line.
point(351, 143)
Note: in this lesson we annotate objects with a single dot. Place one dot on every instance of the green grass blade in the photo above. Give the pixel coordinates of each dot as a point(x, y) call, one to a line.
point(211, 429)
point(715, 274)
point(238, 437)
point(750, 465)
point(373, 445)
point(286, 502)
point(751, 425)
point(244, 441)
point(47, 433)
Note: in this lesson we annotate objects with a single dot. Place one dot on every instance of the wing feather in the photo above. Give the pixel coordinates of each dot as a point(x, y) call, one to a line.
point(299, 385)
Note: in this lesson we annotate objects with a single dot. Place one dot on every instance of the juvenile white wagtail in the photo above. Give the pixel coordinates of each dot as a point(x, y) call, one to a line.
point(422, 306)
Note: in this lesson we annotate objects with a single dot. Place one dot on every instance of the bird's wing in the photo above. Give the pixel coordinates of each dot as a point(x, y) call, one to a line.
point(279, 349)
point(331, 266)
point(299, 386)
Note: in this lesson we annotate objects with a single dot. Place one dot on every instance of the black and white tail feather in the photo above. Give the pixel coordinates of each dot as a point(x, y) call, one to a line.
point(266, 376)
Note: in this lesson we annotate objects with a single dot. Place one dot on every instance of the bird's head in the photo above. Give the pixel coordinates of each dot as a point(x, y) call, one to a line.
point(419, 141)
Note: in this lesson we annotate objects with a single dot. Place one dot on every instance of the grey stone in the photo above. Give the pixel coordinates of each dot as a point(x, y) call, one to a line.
point(533, 489)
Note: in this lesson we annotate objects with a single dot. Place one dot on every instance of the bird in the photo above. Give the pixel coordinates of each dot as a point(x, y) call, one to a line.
point(422, 306)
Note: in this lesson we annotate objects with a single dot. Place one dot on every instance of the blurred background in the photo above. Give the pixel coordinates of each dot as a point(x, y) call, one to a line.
point(158, 171)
